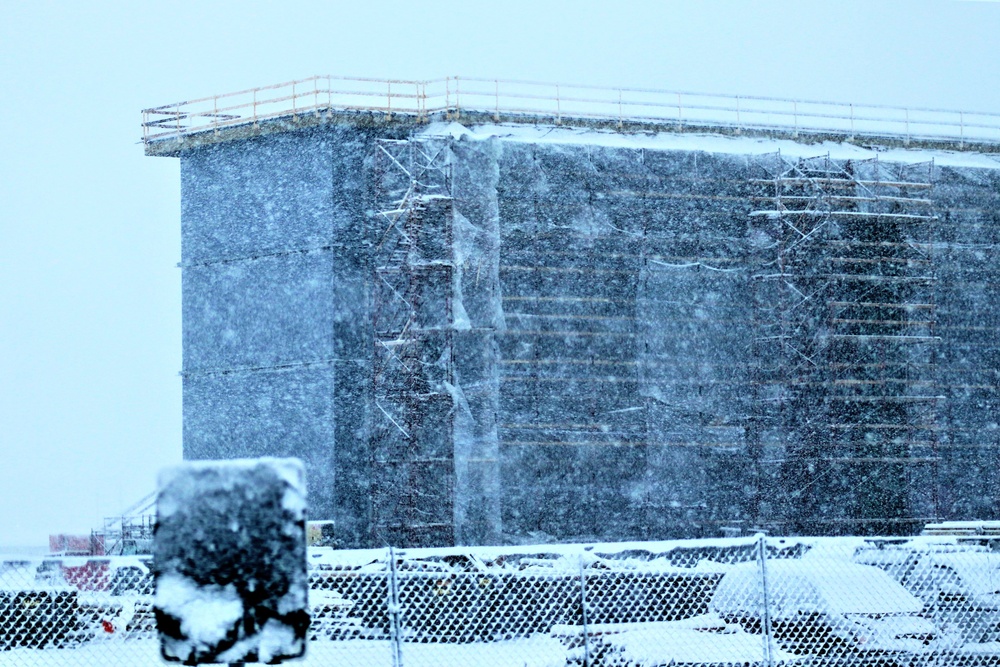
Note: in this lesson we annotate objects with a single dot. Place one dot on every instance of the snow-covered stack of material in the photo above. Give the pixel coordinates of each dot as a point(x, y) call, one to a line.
point(230, 561)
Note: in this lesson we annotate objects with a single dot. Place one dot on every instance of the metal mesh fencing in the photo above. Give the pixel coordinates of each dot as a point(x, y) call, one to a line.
point(746, 601)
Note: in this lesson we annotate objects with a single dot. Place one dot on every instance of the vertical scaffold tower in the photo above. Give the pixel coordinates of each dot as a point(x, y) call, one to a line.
point(847, 390)
point(412, 369)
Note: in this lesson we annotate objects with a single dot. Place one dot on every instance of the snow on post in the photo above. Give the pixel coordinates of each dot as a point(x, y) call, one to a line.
point(230, 561)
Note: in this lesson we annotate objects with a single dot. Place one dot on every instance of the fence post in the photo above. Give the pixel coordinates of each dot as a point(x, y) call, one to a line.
point(620, 121)
point(395, 633)
point(583, 615)
point(765, 603)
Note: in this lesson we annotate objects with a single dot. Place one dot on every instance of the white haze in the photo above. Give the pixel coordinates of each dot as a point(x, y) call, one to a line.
point(90, 327)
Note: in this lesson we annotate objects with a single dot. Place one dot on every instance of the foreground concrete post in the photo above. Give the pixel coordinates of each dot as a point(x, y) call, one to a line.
point(230, 561)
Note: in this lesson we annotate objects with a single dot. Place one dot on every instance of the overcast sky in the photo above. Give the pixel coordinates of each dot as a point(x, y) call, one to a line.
point(90, 397)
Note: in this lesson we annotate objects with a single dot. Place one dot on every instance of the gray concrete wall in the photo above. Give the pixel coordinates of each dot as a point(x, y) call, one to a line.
point(276, 354)
point(604, 313)
point(624, 292)
point(969, 360)
point(479, 323)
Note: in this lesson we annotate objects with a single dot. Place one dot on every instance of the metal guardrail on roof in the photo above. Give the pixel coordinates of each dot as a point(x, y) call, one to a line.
point(450, 97)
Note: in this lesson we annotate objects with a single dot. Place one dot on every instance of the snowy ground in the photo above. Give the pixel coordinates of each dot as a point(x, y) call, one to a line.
point(466, 591)
point(534, 652)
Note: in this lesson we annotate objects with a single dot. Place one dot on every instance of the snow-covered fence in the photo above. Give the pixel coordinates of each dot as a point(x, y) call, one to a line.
point(747, 601)
point(505, 100)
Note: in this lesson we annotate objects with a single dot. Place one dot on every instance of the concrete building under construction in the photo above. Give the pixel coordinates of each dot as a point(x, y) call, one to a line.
point(481, 322)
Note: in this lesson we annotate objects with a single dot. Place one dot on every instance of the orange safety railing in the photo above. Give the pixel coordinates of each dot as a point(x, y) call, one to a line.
point(450, 97)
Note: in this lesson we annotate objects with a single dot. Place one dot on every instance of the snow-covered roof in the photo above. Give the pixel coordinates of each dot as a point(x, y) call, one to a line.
point(656, 556)
point(812, 585)
point(980, 572)
point(706, 142)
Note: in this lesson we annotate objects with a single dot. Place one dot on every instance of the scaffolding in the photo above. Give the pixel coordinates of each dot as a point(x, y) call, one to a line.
point(412, 368)
point(130, 533)
point(845, 317)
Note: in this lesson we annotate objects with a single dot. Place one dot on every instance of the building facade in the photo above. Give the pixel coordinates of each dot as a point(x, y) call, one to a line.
point(486, 334)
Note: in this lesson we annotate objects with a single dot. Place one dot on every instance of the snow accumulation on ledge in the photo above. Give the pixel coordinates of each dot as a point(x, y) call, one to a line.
point(650, 556)
point(709, 143)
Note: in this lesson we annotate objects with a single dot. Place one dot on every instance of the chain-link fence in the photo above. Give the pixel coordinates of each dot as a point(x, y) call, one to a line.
point(746, 601)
